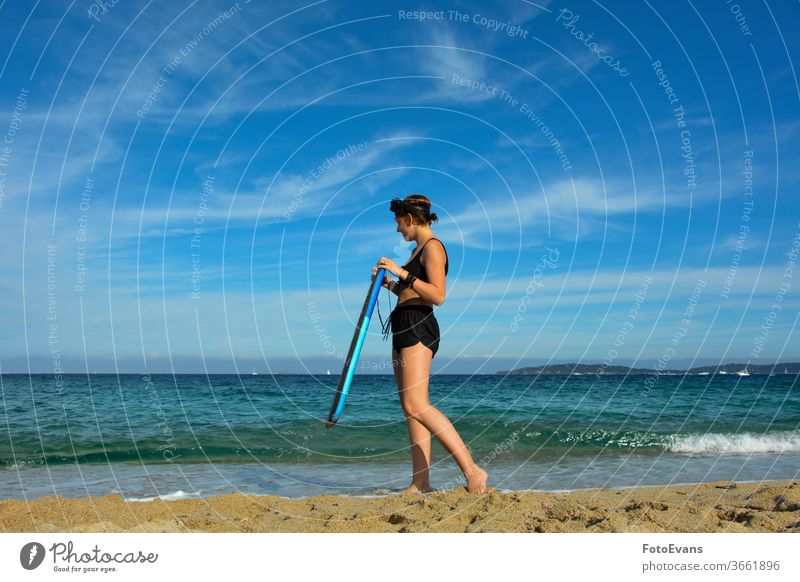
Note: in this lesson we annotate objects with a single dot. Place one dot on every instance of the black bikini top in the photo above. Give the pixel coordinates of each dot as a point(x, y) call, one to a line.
point(414, 267)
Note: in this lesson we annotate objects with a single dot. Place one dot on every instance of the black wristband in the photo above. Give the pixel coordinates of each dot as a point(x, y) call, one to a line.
point(411, 280)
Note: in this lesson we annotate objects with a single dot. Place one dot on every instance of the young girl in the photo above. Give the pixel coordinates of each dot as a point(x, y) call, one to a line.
point(415, 340)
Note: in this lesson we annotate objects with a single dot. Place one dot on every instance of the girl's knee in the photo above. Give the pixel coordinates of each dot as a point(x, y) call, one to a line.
point(415, 408)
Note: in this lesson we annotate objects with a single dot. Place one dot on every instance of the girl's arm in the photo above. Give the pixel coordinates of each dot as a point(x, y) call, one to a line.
point(396, 287)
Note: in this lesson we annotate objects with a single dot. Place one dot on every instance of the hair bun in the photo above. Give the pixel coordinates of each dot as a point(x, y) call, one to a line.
point(419, 206)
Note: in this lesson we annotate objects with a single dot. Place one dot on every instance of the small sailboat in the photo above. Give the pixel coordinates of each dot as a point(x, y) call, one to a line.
point(254, 373)
point(722, 372)
point(703, 373)
point(328, 373)
point(743, 372)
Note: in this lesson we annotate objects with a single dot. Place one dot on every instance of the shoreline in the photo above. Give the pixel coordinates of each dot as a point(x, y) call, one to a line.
point(720, 506)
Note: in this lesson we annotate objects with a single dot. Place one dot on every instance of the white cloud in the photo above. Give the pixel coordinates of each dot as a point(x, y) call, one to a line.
point(569, 207)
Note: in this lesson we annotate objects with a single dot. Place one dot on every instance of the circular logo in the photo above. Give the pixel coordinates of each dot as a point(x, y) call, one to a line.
point(31, 555)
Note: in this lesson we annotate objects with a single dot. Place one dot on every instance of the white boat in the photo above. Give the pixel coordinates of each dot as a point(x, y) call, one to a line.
point(722, 372)
point(743, 372)
point(328, 373)
point(254, 373)
point(703, 373)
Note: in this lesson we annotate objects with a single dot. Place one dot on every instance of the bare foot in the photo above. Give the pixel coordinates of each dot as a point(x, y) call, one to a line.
point(414, 488)
point(476, 480)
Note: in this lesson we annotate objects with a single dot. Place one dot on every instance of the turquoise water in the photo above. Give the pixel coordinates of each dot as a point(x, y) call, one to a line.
point(144, 436)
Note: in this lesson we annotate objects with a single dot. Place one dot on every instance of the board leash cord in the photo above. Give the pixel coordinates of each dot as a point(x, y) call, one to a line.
point(385, 325)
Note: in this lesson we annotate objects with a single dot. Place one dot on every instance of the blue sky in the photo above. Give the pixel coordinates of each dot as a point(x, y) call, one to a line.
point(214, 180)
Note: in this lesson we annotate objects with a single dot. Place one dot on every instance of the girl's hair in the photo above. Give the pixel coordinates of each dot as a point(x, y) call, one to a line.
point(418, 206)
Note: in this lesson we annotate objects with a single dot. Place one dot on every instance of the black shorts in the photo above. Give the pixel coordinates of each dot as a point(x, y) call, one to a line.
point(412, 324)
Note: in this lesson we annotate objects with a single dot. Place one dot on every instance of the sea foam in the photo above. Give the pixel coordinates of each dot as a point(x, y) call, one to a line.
point(176, 495)
point(735, 444)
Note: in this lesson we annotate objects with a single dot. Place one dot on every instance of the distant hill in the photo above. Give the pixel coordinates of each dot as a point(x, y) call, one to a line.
point(592, 369)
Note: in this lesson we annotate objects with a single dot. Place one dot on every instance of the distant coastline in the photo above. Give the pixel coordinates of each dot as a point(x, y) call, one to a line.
point(732, 369)
point(567, 369)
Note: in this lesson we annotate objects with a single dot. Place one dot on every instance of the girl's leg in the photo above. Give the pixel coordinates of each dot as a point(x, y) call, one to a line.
point(419, 436)
point(414, 398)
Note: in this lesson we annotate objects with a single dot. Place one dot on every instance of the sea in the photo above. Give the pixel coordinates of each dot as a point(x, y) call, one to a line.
point(145, 436)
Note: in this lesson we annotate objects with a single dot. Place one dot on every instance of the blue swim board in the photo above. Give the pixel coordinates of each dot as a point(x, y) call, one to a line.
point(355, 347)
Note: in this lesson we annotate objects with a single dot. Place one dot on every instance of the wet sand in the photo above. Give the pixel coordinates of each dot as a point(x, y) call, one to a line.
point(768, 506)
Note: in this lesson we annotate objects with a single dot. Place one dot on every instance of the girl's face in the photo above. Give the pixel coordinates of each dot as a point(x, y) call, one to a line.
point(404, 226)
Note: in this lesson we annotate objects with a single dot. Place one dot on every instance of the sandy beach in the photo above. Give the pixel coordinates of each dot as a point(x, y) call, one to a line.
point(769, 506)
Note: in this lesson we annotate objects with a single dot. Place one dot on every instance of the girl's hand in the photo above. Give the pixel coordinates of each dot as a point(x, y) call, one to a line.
point(390, 266)
point(386, 279)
